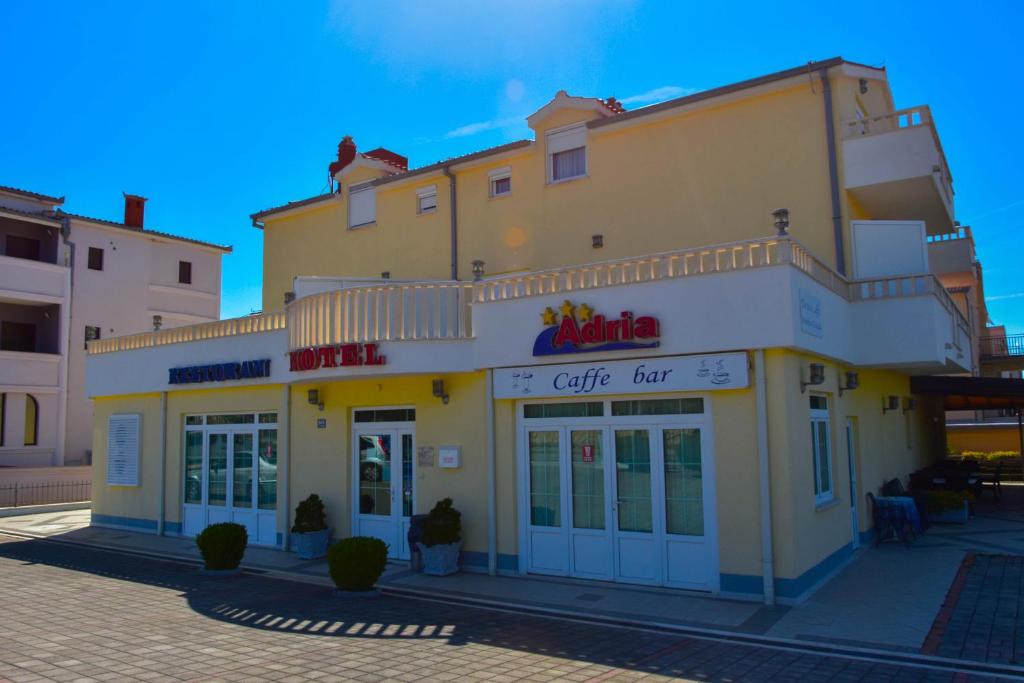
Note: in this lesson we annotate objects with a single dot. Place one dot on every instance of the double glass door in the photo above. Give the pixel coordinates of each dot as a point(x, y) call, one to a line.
point(384, 485)
point(625, 503)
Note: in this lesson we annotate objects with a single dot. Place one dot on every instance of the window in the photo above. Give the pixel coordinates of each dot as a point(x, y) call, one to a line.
point(31, 420)
point(92, 333)
point(17, 337)
point(385, 415)
point(821, 449)
point(185, 272)
point(573, 409)
point(567, 153)
point(95, 258)
point(426, 199)
point(362, 206)
point(22, 247)
point(501, 182)
point(659, 406)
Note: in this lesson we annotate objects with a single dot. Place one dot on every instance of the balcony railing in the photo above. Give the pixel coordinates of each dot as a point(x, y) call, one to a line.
point(1001, 346)
point(263, 322)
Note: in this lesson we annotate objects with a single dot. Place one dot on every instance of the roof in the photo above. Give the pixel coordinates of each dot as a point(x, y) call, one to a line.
point(142, 231)
point(290, 205)
point(971, 393)
point(37, 215)
point(32, 195)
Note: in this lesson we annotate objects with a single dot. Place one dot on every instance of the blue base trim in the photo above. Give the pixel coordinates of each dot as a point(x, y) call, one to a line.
point(790, 589)
point(130, 522)
point(867, 537)
point(471, 558)
point(172, 527)
point(280, 540)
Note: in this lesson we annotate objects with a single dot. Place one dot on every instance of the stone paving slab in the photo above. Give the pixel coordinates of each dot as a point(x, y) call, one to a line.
point(87, 614)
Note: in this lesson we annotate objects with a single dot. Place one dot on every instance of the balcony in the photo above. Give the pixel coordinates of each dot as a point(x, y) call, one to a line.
point(895, 168)
point(1002, 352)
point(953, 252)
point(28, 280)
point(28, 371)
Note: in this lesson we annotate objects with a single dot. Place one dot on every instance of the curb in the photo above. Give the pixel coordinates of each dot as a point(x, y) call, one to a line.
point(38, 509)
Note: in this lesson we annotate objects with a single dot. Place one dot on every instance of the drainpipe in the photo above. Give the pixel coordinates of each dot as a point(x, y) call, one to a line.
point(284, 461)
point(452, 196)
point(492, 489)
point(161, 519)
point(767, 561)
point(65, 360)
point(833, 174)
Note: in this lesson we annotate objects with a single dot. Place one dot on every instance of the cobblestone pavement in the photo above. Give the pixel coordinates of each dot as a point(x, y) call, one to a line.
point(74, 614)
point(985, 617)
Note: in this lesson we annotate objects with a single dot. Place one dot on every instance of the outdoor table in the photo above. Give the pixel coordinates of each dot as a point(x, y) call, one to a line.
point(909, 509)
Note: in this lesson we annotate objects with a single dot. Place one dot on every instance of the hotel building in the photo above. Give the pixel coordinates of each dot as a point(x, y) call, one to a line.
point(606, 343)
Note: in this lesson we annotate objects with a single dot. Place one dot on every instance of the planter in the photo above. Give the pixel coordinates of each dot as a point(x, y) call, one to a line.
point(440, 560)
point(951, 516)
point(312, 544)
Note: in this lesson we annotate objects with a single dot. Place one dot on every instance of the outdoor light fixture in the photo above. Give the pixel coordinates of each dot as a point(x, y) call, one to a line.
point(852, 382)
point(890, 403)
point(863, 86)
point(314, 398)
point(385, 275)
point(439, 392)
point(289, 297)
point(909, 403)
point(158, 321)
point(597, 241)
point(781, 221)
point(817, 376)
point(478, 269)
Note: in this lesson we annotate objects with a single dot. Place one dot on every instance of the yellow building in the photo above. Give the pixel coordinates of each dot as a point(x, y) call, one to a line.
point(608, 344)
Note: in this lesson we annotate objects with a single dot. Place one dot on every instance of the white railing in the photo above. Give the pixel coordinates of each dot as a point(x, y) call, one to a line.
point(400, 312)
point(250, 324)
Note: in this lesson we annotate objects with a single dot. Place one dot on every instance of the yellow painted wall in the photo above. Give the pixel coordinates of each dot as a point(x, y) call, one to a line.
point(128, 502)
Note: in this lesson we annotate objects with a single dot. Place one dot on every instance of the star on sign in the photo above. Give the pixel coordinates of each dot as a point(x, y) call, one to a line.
point(586, 313)
point(567, 309)
point(549, 315)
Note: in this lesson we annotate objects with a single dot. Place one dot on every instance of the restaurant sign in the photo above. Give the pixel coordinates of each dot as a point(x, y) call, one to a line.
point(333, 356)
point(577, 329)
point(219, 372)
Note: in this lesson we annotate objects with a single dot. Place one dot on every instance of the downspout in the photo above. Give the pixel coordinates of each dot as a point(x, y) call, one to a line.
point(767, 561)
point(69, 281)
point(161, 519)
point(833, 174)
point(284, 427)
point(492, 489)
point(452, 196)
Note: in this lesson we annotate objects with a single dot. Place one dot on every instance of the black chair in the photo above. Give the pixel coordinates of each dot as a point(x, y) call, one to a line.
point(893, 487)
point(994, 481)
point(891, 522)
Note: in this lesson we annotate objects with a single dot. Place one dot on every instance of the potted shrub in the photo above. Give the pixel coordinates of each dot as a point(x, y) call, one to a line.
point(222, 547)
point(442, 539)
point(356, 563)
point(311, 534)
point(948, 506)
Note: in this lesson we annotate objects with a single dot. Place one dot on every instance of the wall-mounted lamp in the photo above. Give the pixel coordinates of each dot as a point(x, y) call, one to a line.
point(781, 222)
point(439, 392)
point(909, 403)
point(314, 398)
point(597, 241)
point(863, 86)
point(289, 297)
point(890, 403)
point(158, 321)
point(478, 269)
point(816, 376)
point(385, 275)
point(852, 382)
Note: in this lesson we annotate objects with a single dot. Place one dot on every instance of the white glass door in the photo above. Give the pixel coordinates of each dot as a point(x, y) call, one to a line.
point(590, 538)
point(384, 483)
point(686, 490)
point(546, 527)
point(637, 555)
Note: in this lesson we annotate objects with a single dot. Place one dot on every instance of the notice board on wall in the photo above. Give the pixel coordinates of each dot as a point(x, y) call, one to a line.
point(123, 450)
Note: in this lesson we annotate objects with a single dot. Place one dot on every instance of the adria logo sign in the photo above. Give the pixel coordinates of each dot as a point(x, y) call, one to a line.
point(577, 329)
point(316, 357)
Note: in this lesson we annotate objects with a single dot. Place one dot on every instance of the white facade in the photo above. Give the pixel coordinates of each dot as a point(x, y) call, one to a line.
point(49, 295)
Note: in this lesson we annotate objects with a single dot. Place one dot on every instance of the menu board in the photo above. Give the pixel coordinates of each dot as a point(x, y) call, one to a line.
point(123, 450)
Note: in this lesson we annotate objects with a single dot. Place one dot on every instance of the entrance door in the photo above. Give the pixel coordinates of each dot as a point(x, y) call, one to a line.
point(851, 452)
point(637, 552)
point(384, 486)
point(590, 537)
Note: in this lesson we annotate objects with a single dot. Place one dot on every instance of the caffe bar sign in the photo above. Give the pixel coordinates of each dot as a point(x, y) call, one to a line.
point(677, 373)
point(333, 356)
point(219, 372)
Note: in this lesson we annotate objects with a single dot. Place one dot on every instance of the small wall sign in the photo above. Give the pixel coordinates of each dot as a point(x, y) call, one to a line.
point(580, 330)
point(334, 355)
point(449, 457)
point(219, 372)
point(123, 449)
point(588, 452)
point(425, 456)
point(321, 423)
point(810, 315)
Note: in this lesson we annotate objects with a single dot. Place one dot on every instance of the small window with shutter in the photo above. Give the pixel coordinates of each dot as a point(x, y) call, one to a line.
point(362, 206)
point(185, 272)
point(95, 258)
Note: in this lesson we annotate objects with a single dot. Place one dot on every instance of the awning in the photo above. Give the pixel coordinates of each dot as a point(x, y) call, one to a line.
point(972, 393)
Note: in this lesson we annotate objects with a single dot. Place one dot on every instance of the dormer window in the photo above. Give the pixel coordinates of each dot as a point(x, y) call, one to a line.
point(362, 205)
point(567, 153)
point(426, 199)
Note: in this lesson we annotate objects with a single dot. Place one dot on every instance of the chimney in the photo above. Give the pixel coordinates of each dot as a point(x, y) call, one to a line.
point(346, 154)
point(134, 210)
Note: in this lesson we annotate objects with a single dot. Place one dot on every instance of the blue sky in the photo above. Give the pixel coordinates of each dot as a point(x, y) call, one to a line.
point(215, 110)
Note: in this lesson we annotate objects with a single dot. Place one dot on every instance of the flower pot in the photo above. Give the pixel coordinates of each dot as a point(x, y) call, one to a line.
point(951, 516)
point(312, 544)
point(440, 560)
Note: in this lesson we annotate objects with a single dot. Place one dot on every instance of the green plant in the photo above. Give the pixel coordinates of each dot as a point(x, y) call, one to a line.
point(356, 563)
point(222, 545)
point(310, 516)
point(942, 501)
point(443, 525)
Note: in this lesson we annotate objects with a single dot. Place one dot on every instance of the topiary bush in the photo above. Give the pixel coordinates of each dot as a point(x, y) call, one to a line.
point(223, 545)
point(443, 525)
point(356, 563)
point(310, 516)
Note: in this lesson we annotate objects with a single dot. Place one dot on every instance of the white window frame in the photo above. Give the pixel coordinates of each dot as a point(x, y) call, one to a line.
point(496, 175)
point(821, 416)
point(426, 193)
point(358, 189)
point(566, 139)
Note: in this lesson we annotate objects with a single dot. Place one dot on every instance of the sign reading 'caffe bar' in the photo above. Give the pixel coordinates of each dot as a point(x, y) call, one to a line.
point(333, 356)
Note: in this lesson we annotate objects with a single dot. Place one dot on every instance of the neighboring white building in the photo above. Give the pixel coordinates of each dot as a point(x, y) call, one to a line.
point(65, 278)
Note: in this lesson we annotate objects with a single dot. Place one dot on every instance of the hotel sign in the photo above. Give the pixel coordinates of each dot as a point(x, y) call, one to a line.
point(578, 329)
point(333, 356)
point(219, 372)
point(678, 373)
